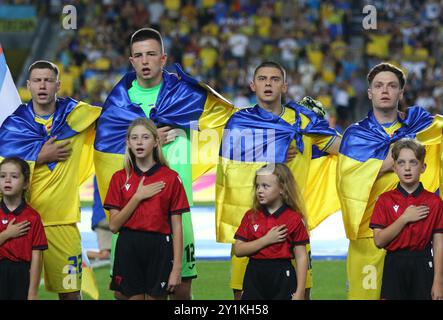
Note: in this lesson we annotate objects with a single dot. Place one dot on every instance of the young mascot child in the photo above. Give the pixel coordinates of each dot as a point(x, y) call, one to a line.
point(146, 200)
point(22, 237)
point(408, 223)
point(271, 234)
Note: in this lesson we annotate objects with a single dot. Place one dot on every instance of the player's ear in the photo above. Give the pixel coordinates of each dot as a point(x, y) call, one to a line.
point(252, 86)
point(164, 59)
point(285, 88)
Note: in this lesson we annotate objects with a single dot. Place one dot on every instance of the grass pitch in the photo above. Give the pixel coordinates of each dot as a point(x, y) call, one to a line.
point(213, 281)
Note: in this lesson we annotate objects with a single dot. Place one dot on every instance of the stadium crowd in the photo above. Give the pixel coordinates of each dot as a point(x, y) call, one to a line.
point(221, 41)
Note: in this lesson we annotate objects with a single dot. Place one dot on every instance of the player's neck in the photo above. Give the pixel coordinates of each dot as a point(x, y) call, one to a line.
point(12, 201)
point(144, 164)
point(44, 110)
point(149, 83)
point(385, 116)
point(273, 107)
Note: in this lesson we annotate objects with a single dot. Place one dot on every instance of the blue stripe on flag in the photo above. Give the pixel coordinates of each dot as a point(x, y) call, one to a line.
point(3, 69)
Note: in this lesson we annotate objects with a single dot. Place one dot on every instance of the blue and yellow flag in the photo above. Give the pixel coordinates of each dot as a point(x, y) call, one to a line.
point(21, 136)
point(364, 147)
point(182, 102)
point(254, 137)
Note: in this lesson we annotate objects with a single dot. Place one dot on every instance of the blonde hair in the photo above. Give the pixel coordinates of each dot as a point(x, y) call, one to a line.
point(157, 152)
point(291, 195)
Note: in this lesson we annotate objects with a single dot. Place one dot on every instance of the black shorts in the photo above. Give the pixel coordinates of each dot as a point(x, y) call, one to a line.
point(407, 275)
point(143, 263)
point(14, 280)
point(269, 280)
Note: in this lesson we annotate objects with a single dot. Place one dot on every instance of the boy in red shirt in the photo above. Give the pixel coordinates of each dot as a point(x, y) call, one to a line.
point(408, 223)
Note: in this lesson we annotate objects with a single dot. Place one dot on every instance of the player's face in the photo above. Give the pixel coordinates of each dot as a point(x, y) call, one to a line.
point(148, 62)
point(268, 190)
point(11, 180)
point(141, 142)
point(269, 85)
point(408, 168)
point(43, 85)
point(385, 91)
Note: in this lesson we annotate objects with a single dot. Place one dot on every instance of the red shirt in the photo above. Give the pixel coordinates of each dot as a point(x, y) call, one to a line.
point(151, 214)
point(415, 235)
point(255, 225)
point(20, 249)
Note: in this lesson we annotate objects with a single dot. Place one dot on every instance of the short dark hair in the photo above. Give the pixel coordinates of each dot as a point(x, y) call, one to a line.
point(271, 64)
point(43, 64)
point(412, 144)
point(385, 66)
point(22, 164)
point(146, 34)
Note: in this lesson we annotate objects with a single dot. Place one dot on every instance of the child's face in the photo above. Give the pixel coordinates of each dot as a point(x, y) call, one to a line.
point(268, 190)
point(141, 142)
point(11, 180)
point(408, 168)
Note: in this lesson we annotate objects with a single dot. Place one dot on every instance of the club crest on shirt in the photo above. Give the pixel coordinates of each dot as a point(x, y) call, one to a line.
point(396, 208)
point(255, 226)
point(127, 186)
point(5, 221)
point(162, 284)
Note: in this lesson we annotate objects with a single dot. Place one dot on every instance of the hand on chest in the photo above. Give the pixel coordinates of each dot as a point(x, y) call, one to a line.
point(260, 228)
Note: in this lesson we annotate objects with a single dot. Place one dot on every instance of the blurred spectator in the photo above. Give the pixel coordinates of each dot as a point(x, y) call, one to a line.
point(321, 44)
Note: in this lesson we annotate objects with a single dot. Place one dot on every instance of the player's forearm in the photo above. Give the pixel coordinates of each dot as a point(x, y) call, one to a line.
point(335, 146)
point(177, 241)
point(387, 166)
point(301, 258)
point(35, 273)
point(117, 218)
point(437, 243)
point(245, 249)
point(383, 237)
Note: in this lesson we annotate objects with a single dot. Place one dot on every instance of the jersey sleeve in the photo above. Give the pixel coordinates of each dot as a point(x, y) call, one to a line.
point(179, 202)
point(378, 219)
point(39, 241)
point(300, 235)
point(114, 199)
point(323, 142)
point(243, 231)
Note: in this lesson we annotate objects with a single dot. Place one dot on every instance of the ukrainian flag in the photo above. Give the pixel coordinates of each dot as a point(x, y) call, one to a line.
point(182, 102)
point(254, 137)
point(364, 147)
point(21, 136)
